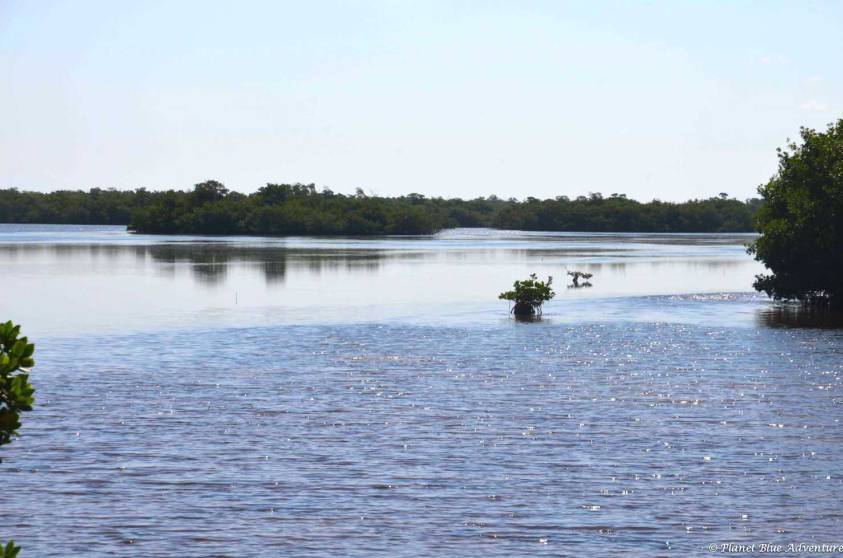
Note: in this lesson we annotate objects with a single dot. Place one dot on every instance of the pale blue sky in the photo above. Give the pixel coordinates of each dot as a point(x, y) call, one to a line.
point(668, 100)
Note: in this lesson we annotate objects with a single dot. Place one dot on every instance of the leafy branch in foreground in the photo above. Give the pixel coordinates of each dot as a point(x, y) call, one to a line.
point(16, 393)
point(529, 295)
point(10, 550)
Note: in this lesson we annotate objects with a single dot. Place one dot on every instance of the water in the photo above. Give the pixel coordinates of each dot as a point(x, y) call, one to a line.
point(96, 279)
point(320, 397)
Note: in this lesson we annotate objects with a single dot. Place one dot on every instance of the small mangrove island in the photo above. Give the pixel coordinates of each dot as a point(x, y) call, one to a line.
point(529, 295)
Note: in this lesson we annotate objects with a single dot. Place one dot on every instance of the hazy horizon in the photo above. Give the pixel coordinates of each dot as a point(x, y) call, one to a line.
point(671, 101)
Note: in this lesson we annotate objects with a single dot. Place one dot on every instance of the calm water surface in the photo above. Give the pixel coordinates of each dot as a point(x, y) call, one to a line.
point(203, 396)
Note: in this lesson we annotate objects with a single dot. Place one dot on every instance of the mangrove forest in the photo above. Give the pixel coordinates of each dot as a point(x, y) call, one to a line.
point(302, 209)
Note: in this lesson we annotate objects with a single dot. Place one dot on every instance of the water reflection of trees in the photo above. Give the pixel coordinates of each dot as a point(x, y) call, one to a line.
point(209, 263)
point(800, 316)
point(619, 262)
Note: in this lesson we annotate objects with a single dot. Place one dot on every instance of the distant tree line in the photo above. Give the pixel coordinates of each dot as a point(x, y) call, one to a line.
point(73, 207)
point(283, 209)
point(617, 213)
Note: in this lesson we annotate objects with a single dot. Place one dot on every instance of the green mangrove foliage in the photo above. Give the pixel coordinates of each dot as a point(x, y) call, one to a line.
point(801, 221)
point(11, 550)
point(94, 207)
point(283, 209)
point(16, 393)
point(617, 213)
point(529, 295)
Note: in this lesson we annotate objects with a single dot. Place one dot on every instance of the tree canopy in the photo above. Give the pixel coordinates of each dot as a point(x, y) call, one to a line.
point(801, 220)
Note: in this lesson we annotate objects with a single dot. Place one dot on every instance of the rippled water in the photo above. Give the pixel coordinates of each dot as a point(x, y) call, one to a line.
point(648, 415)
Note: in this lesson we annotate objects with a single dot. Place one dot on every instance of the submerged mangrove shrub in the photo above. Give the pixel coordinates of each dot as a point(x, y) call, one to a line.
point(16, 393)
point(577, 275)
point(529, 295)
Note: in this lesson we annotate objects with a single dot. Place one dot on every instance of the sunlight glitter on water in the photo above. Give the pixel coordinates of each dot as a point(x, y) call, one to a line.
point(478, 436)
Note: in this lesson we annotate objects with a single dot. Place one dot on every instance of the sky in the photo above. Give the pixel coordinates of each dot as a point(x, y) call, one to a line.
point(668, 100)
